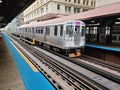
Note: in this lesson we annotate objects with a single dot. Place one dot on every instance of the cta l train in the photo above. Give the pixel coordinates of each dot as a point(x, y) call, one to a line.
point(67, 37)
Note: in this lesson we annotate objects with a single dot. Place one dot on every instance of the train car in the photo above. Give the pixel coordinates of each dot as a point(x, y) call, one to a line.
point(64, 36)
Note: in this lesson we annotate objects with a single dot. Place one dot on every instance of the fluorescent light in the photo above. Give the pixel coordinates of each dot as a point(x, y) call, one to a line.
point(118, 18)
point(0, 1)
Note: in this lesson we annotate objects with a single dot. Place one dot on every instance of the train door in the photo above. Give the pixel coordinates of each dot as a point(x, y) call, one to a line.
point(77, 35)
point(33, 32)
point(45, 31)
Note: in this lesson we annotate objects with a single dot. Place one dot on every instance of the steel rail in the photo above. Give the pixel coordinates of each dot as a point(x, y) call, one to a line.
point(99, 71)
point(101, 62)
point(43, 57)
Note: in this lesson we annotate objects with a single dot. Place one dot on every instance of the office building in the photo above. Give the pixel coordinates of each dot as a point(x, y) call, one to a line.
point(47, 9)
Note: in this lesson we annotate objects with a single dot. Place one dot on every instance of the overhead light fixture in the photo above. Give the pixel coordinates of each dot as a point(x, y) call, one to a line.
point(118, 18)
point(0, 1)
point(1, 18)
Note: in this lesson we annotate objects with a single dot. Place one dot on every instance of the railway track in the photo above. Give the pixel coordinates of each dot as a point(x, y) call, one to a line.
point(107, 74)
point(104, 73)
point(76, 80)
point(103, 63)
point(89, 67)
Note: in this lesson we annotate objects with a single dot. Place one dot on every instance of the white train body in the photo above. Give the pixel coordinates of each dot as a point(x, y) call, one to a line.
point(68, 35)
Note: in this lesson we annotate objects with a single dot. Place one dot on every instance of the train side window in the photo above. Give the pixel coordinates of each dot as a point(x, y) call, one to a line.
point(61, 30)
point(55, 31)
point(21, 30)
point(25, 29)
point(32, 30)
point(36, 30)
point(52, 30)
point(47, 30)
point(28, 30)
point(42, 30)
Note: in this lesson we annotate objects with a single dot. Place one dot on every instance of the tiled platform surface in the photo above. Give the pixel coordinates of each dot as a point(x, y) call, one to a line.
point(9, 76)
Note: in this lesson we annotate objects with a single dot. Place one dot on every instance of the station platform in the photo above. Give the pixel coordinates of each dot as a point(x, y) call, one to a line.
point(99, 45)
point(106, 52)
point(9, 76)
point(16, 72)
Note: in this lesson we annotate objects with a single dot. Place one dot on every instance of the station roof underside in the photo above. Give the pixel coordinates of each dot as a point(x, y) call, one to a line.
point(9, 9)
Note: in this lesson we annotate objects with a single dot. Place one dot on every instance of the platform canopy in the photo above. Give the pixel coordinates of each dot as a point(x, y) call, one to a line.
point(9, 9)
point(97, 14)
point(112, 10)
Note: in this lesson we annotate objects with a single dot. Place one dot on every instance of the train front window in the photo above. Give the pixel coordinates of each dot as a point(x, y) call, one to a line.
point(69, 31)
point(77, 30)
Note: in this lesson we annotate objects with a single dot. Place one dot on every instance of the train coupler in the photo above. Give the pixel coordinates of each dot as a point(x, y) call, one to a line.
point(76, 54)
point(33, 41)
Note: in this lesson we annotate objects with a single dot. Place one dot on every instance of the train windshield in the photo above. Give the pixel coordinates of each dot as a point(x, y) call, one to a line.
point(77, 30)
point(69, 31)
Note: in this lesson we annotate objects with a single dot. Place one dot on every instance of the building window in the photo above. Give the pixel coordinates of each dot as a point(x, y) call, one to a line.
point(69, 0)
point(91, 3)
point(37, 11)
point(46, 7)
point(76, 10)
point(94, 3)
point(78, 1)
point(74, 1)
point(85, 10)
point(87, 2)
point(37, 3)
point(67, 9)
point(84, 2)
point(42, 10)
point(58, 6)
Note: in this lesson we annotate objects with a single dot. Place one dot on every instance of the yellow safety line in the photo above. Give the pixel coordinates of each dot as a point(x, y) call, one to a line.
point(26, 59)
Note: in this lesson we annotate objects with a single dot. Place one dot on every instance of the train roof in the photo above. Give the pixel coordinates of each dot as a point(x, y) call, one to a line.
point(53, 21)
